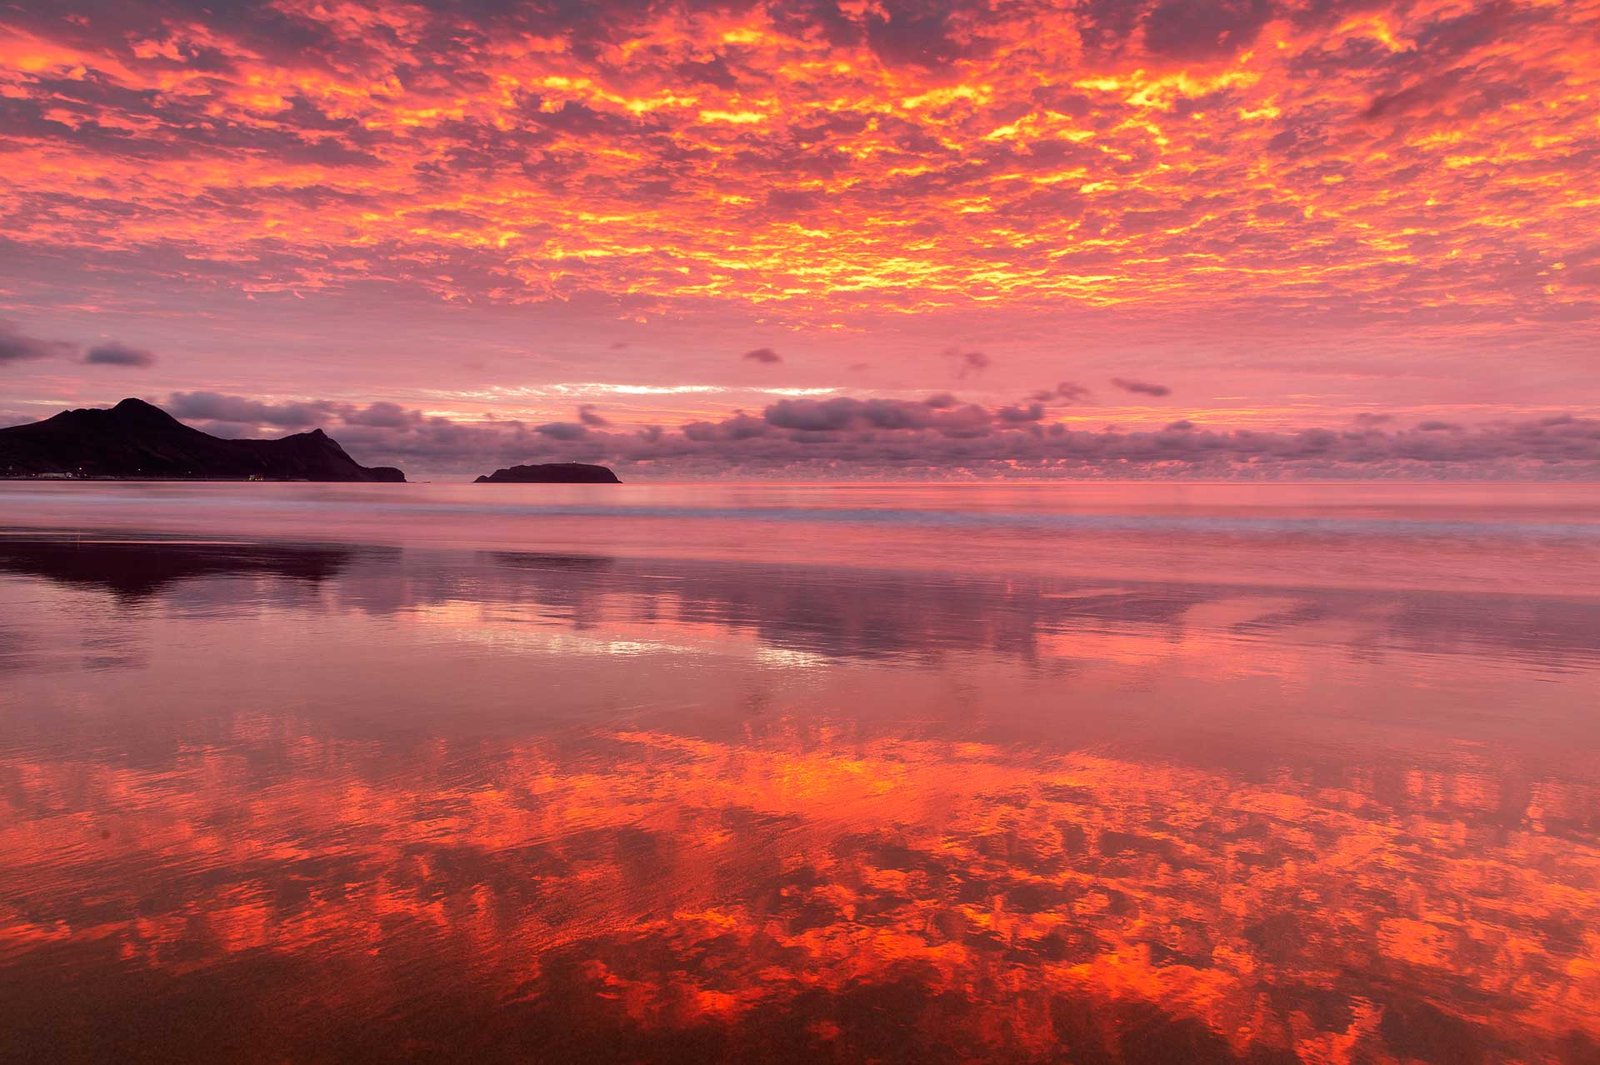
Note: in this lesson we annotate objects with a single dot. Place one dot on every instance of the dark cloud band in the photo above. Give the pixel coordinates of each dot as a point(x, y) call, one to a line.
point(936, 437)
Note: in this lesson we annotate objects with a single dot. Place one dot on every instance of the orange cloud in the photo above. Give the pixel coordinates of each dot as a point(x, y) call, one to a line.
point(1413, 159)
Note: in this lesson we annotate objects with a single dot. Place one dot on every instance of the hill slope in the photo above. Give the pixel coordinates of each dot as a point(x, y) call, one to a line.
point(135, 440)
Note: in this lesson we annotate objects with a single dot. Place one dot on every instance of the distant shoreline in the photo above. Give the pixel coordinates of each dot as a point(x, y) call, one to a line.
point(58, 479)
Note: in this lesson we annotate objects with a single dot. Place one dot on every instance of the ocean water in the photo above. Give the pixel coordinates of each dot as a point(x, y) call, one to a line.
point(771, 773)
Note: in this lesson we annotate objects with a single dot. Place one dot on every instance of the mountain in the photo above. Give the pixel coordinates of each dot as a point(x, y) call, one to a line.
point(552, 473)
point(137, 440)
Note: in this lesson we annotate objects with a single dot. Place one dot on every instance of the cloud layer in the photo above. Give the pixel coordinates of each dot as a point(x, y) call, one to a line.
point(934, 437)
point(1273, 212)
point(1387, 159)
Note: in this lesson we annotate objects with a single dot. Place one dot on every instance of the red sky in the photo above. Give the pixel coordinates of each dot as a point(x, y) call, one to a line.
point(1258, 215)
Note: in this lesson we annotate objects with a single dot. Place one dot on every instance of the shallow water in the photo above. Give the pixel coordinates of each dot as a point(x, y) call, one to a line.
point(777, 773)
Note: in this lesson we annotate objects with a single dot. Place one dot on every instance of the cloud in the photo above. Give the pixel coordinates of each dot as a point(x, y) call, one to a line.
point(563, 430)
point(1067, 392)
point(941, 413)
point(114, 353)
point(762, 355)
point(968, 362)
point(739, 427)
point(1140, 388)
point(381, 414)
point(590, 417)
point(16, 346)
point(840, 162)
point(1204, 29)
point(920, 33)
point(938, 436)
point(1033, 412)
point(212, 406)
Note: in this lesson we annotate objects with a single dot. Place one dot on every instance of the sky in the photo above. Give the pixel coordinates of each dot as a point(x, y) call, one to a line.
point(815, 238)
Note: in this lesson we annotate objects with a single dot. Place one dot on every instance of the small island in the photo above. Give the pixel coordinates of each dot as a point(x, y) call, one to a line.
point(138, 441)
point(552, 473)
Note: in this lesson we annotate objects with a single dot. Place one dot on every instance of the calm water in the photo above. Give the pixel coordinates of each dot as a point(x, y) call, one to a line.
point(753, 773)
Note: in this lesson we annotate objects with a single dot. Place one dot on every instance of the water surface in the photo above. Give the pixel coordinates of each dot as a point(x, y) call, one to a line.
point(799, 773)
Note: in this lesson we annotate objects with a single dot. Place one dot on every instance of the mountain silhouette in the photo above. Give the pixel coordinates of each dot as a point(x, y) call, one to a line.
point(137, 440)
point(552, 473)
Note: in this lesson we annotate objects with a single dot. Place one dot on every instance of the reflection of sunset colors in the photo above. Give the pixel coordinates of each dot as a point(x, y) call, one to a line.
point(680, 883)
point(378, 803)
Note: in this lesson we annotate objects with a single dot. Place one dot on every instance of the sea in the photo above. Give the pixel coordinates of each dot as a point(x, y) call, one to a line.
point(1018, 772)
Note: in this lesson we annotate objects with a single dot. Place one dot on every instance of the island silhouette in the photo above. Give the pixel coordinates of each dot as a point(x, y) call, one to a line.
point(136, 440)
point(552, 473)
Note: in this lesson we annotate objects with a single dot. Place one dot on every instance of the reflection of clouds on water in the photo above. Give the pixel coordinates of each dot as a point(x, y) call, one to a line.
point(648, 886)
point(820, 611)
point(914, 615)
point(377, 803)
